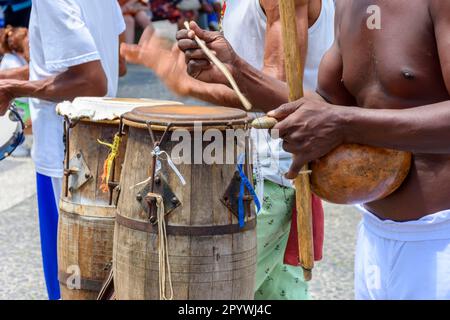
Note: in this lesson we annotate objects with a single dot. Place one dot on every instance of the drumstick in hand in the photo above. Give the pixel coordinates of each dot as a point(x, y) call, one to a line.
point(211, 56)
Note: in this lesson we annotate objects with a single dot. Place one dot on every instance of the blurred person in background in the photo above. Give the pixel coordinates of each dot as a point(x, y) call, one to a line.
point(189, 11)
point(168, 16)
point(135, 13)
point(16, 12)
point(74, 51)
point(210, 14)
point(14, 46)
point(176, 11)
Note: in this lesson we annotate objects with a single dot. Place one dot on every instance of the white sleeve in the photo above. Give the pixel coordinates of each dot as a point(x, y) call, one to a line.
point(66, 40)
point(10, 61)
point(119, 18)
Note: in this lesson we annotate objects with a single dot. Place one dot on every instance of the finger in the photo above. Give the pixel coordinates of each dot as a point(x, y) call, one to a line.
point(207, 36)
point(283, 128)
point(185, 34)
point(290, 147)
point(187, 44)
point(195, 55)
point(175, 48)
point(147, 35)
point(130, 52)
point(196, 67)
point(285, 110)
point(297, 165)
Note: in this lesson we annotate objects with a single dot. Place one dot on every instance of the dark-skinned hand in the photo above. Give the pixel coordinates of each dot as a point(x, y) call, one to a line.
point(310, 129)
point(198, 64)
point(5, 98)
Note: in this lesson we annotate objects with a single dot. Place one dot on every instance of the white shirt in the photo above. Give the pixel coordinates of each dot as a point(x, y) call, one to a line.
point(12, 61)
point(63, 34)
point(272, 162)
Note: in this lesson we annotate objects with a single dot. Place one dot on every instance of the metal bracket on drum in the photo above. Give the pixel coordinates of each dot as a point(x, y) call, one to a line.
point(78, 173)
point(160, 186)
point(114, 185)
point(68, 124)
point(157, 183)
point(231, 196)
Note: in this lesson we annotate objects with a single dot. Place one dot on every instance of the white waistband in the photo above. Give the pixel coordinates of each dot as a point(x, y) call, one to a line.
point(432, 227)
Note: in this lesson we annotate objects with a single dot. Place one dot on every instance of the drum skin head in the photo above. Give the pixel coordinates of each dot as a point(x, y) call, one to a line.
point(97, 109)
point(11, 133)
point(184, 114)
point(7, 129)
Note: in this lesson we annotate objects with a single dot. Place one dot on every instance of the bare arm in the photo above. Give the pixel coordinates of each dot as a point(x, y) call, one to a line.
point(122, 62)
point(272, 81)
point(169, 65)
point(265, 89)
point(216, 94)
point(274, 64)
point(87, 79)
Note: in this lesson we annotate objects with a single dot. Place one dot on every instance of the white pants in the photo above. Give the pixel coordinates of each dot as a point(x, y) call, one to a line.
point(403, 261)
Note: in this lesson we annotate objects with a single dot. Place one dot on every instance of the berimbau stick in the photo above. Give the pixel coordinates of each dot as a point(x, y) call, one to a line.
point(294, 77)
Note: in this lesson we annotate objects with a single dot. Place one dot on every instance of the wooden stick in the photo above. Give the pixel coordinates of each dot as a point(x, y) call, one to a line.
point(294, 77)
point(211, 56)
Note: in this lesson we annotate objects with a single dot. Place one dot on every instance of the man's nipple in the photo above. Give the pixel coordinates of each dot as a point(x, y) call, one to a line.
point(408, 75)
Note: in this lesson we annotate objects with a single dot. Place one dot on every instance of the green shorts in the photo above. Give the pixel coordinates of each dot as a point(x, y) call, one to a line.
point(274, 279)
point(25, 107)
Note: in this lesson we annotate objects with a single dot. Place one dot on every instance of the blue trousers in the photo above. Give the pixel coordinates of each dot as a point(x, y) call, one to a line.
point(48, 225)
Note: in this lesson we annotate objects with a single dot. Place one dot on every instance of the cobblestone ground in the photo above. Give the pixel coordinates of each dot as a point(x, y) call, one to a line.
point(21, 274)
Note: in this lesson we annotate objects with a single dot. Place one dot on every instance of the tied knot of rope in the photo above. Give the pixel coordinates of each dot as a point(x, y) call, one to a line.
point(165, 276)
point(162, 155)
point(108, 164)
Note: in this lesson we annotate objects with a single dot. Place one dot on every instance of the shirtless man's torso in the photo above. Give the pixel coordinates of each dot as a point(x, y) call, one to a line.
point(365, 68)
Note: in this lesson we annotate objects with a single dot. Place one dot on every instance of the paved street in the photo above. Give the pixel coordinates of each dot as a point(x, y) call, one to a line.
point(21, 274)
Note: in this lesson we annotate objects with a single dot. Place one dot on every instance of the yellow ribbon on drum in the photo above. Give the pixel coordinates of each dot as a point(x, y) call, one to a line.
point(108, 164)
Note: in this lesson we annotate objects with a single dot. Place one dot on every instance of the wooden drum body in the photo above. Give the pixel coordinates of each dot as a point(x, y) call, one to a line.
point(210, 256)
point(87, 214)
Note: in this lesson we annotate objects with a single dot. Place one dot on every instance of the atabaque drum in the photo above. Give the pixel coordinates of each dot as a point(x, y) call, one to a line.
point(94, 155)
point(185, 225)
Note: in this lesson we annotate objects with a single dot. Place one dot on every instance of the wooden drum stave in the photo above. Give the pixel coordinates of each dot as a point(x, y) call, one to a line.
point(210, 256)
point(87, 214)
